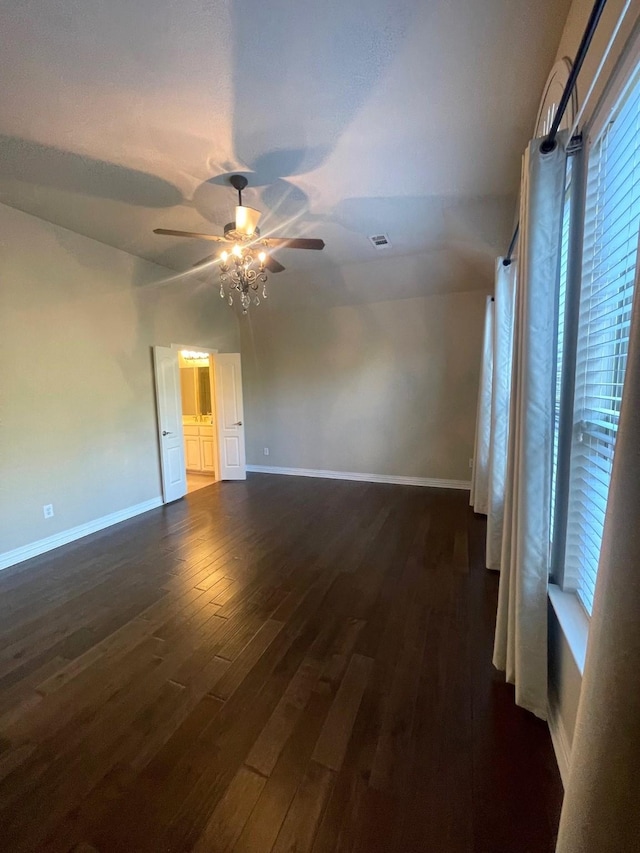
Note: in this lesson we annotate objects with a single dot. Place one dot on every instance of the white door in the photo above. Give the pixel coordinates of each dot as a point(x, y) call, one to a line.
point(169, 403)
point(230, 416)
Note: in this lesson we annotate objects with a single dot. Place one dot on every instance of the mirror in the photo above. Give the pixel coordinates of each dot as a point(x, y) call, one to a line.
point(195, 387)
point(204, 391)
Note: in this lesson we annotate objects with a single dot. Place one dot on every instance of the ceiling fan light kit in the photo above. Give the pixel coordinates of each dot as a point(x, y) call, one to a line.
point(238, 272)
point(243, 268)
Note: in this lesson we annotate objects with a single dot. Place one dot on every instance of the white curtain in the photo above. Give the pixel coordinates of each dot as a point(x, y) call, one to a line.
point(601, 811)
point(501, 394)
point(479, 497)
point(521, 627)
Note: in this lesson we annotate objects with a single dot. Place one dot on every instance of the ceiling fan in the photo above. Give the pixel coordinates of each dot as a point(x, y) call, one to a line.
point(245, 231)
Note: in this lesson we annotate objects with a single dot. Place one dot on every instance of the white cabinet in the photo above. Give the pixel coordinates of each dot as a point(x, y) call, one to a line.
point(192, 455)
point(207, 449)
point(200, 450)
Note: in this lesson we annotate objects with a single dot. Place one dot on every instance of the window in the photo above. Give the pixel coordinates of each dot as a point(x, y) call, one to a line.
point(612, 218)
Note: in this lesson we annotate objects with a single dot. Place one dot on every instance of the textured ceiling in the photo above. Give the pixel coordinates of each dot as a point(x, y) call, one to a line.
point(349, 118)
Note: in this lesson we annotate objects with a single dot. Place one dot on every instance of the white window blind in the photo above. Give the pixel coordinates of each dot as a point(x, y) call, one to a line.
point(562, 300)
point(612, 219)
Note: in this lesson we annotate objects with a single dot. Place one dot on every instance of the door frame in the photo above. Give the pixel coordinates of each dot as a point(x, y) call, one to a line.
point(212, 382)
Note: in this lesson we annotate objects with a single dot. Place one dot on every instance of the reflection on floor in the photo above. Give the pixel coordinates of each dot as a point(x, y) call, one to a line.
point(279, 664)
point(199, 481)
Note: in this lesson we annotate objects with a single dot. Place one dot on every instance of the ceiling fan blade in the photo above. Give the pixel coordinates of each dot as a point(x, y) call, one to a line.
point(293, 243)
point(204, 261)
point(171, 233)
point(273, 266)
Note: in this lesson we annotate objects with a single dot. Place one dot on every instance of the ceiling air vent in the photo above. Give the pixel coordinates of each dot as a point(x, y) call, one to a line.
point(381, 241)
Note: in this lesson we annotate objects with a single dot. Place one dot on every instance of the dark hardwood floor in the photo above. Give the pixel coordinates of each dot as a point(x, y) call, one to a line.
point(285, 664)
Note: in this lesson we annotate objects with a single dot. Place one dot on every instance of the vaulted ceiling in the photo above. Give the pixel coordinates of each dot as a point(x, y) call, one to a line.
point(348, 117)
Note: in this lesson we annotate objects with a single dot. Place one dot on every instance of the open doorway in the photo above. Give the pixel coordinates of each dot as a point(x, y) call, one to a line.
point(198, 418)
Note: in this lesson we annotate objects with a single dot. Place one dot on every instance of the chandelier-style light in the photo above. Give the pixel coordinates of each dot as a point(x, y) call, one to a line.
point(243, 271)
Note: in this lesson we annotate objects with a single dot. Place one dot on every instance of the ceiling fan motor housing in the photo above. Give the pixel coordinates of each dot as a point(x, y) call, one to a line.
point(238, 182)
point(232, 234)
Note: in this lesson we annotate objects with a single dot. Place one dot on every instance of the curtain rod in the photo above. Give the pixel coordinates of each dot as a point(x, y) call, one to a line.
point(550, 142)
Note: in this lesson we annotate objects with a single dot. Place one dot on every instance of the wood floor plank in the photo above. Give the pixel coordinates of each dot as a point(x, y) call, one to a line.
point(341, 821)
point(461, 549)
point(250, 655)
point(226, 745)
point(267, 748)
point(333, 740)
point(262, 828)
point(23, 689)
point(301, 822)
point(230, 815)
point(393, 753)
point(242, 636)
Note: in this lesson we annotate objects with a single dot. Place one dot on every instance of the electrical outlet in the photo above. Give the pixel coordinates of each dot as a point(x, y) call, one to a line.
point(471, 463)
point(47, 510)
point(265, 450)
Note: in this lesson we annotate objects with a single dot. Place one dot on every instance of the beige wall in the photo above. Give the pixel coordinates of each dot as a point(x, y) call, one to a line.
point(77, 412)
point(372, 367)
point(384, 388)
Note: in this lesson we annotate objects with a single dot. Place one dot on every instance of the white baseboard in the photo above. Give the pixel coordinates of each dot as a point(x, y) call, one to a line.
point(364, 478)
point(18, 555)
point(560, 742)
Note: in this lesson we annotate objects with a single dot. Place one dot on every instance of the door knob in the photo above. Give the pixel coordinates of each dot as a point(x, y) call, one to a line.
point(166, 432)
point(238, 423)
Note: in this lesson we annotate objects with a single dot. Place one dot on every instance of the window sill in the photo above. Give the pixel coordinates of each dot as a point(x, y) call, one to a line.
point(573, 621)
